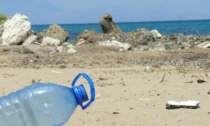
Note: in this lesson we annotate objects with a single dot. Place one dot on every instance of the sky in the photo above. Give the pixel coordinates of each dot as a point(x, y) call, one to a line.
point(90, 11)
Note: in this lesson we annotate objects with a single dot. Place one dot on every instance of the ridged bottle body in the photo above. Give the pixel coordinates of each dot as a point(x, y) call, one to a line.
point(38, 105)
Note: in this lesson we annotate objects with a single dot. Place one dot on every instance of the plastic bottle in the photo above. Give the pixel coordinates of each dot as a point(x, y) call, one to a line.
point(44, 104)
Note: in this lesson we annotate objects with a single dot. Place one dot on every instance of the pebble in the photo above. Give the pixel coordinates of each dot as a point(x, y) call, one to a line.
point(116, 113)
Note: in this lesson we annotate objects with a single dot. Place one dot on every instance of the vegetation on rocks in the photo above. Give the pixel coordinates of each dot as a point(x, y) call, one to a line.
point(2, 18)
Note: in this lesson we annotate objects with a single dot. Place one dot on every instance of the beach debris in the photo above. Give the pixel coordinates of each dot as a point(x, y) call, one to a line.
point(115, 113)
point(202, 80)
point(163, 78)
point(191, 104)
point(156, 66)
point(33, 81)
point(204, 45)
point(97, 96)
point(188, 82)
point(207, 74)
point(150, 100)
point(148, 69)
point(58, 72)
point(102, 78)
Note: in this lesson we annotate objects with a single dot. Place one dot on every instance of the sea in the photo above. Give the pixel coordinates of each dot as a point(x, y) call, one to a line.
point(187, 27)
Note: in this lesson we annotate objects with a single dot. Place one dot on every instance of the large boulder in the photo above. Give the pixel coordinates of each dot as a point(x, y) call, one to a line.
point(15, 30)
point(57, 32)
point(108, 25)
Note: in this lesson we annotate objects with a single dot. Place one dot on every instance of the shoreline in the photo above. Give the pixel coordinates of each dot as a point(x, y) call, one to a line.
point(90, 57)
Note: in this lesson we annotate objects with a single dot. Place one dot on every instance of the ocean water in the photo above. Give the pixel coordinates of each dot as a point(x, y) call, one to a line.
point(189, 27)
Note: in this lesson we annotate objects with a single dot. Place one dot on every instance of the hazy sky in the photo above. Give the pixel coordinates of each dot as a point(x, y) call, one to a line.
point(90, 11)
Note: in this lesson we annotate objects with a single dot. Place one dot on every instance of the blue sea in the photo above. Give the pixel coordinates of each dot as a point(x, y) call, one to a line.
point(187, 27)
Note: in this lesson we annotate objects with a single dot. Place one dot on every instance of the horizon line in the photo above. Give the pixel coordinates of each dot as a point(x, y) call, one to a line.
point(120, 22)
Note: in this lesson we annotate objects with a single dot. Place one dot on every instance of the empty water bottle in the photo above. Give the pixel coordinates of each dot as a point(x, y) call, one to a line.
point(44, 104)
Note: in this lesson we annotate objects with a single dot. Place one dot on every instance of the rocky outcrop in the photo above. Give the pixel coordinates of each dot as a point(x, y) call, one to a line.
point(57, 32)
point(108, 25)
point(15, 30)
point(138, 37)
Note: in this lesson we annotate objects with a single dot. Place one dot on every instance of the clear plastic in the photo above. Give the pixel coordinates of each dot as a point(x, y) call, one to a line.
point(38, 105)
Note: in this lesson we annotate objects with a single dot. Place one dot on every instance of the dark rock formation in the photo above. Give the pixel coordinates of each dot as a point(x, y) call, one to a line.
point(108, 25)
point(87, 37)
point(57, 32)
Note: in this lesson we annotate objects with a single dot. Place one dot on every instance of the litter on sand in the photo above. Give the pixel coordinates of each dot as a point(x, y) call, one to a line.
point(182, 104)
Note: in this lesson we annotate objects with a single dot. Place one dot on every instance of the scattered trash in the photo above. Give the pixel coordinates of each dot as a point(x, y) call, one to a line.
point(156, 66)
point(182, 104)
point(131, 108)
point(150, 100)
point(55, 102)
point(102, 78)
point(54, 71)
point(148, 69)
point(98, 95)
point(33, 81)
point(116, 113)
point(188, 82)
point(163, 78)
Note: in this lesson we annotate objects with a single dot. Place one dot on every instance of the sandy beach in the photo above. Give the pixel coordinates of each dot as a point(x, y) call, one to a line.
point(132, 88)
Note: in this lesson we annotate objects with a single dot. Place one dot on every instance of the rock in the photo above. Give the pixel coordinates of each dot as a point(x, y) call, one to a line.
point(142, 37)
point(15, 30)
point(30, 40)
point(47, 41)
point(156, 34)
point(71, 49)
point(65, 44)
point(108, 25)
point(157, 47)
point(60, 49)
point(88, 36)
point(35, 49)
point(116, 44)
point(1, 30)
point(172, 45)
point(204, 45)
point(57, 32)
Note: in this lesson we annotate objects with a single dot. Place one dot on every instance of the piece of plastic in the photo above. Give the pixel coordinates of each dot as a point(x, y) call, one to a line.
point(44, 104)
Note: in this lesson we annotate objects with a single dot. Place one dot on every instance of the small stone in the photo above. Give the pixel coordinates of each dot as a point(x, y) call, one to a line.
point(188, 81)
point(116, 113)
point(209, 92)
point(201, 81)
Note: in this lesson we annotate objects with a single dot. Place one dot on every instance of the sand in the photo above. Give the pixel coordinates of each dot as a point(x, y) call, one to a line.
point(127, 93)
